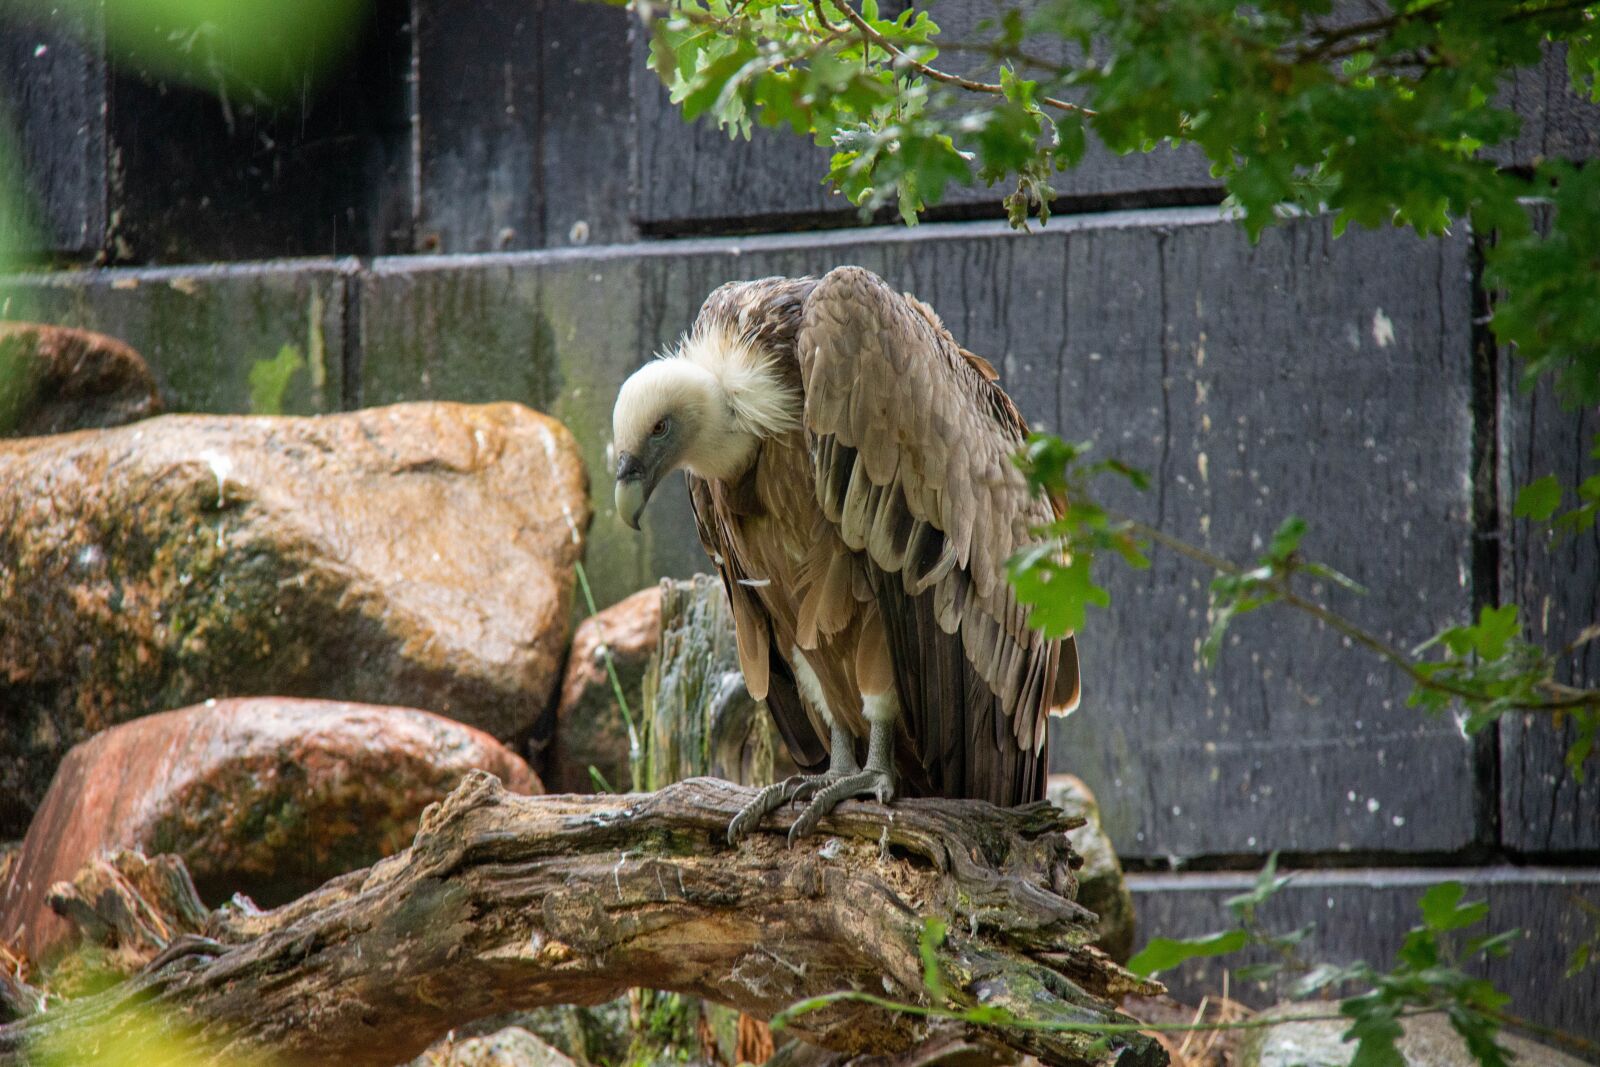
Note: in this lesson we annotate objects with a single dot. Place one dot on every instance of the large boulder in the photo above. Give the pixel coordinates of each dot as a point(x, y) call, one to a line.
point(267, 796)
point(589, 729)
point(1101, 886)
point(54, 379)
point(420, 554)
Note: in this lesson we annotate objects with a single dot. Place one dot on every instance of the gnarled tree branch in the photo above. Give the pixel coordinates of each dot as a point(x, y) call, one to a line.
point(506, 902)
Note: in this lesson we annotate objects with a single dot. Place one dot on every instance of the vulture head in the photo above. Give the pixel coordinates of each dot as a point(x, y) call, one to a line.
point(703, 407)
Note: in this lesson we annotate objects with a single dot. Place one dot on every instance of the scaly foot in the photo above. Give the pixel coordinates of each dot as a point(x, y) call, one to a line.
point(774, 797)
point(867, 783)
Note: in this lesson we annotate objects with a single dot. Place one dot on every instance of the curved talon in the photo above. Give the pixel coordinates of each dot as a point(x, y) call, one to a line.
point(871, 783)
point(770, 799)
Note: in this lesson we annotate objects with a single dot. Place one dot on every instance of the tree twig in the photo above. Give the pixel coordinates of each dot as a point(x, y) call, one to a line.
point(870, 34)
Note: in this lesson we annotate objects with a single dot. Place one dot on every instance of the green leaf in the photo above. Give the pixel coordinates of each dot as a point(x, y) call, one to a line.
point(1539, 499)
point(1268, 883)
point(1375, 1032)
point(1165, 953)
point(1443, 911)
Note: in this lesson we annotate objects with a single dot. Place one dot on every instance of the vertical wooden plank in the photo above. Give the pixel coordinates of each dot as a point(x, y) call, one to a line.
point(53, 79)
point(692, 177)
point(589, 173)
point(292, 178)
point(1557, 123)
point(479, 70)
point(1555, 581)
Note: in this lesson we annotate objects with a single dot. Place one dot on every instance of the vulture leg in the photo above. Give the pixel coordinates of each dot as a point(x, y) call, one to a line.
point(841, 765)
point(876, 779)
point(880, 706)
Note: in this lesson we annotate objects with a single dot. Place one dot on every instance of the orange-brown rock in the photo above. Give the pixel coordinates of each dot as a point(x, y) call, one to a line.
point(54, 379)
point(420, 554)
point(266, 796)
point(589, 727)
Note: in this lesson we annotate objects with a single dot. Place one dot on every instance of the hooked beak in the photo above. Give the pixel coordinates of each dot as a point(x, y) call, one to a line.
point(633, 489)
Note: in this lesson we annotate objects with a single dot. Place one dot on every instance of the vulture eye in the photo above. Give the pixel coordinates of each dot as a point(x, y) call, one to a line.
point(660, 428)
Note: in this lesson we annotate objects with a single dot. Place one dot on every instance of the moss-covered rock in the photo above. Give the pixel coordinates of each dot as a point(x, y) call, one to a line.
point(419, 555)
point(268, 796)
point(54, 379)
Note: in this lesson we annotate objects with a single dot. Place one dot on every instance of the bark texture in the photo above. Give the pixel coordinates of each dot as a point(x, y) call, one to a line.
point(508, 902)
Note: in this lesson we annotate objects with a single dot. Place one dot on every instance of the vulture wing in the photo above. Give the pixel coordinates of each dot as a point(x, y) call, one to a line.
point(911, 442)
point(766, 673)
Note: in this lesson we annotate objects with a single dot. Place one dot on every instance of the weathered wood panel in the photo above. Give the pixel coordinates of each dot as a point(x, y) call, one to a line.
point(1307, 375)
point(588, 167)
point(1557, 123)
point(54, 86)
point(478, 119)
point(134, 167)
point(1364, 915)
point(205, 331)
point(694, 178)
point(1555, 580)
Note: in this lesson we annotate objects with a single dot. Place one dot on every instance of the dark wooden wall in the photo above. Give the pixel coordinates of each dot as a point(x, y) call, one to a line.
point(522, 215)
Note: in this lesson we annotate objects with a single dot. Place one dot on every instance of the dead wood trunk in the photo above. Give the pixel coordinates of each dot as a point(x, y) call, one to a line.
point(507, 902)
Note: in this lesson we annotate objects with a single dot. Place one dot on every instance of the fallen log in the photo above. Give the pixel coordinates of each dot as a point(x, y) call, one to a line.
point(506, 902)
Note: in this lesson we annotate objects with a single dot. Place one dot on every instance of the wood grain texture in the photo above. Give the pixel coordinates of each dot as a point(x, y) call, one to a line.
point(694, 178)
point(1364, 915)
point(506, 902)
point(1555, 580)
point(478, 113)
point(54, 82)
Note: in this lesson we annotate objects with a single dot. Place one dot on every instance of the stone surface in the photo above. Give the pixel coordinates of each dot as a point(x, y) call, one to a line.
point(589, 727)
point(267, 796)
point(511, 1047)
point(1101, 886)
point(54, 379)
point(420, 554)
point(1427, 1041)
point(1364, 914)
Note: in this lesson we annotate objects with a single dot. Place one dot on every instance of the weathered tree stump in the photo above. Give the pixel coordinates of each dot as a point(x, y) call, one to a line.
point(506, 902)
point(699, 719)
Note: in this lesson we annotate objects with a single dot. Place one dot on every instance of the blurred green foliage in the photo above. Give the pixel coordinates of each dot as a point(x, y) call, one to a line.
point(1379, 120)
point(268, 54)
point(274, 52)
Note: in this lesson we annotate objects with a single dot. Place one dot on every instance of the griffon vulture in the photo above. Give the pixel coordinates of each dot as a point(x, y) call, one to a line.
point(851, 472)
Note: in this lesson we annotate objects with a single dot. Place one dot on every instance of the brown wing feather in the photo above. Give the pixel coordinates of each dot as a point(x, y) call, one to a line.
point(912, 442)
point(767, 674)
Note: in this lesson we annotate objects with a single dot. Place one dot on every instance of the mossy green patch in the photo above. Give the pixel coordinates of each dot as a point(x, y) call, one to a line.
point(269, 380)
